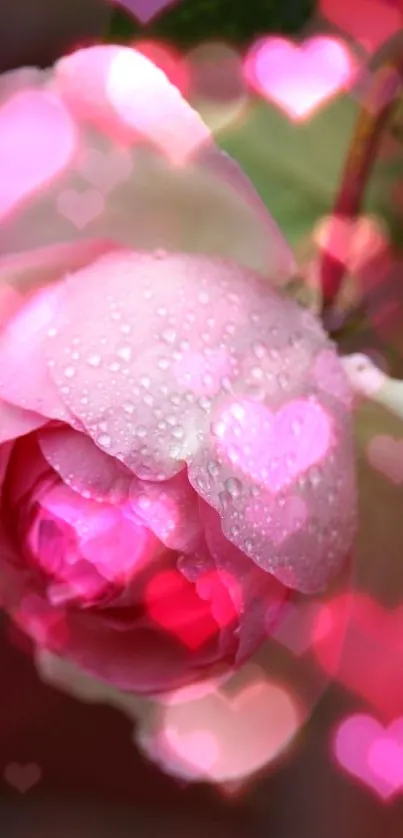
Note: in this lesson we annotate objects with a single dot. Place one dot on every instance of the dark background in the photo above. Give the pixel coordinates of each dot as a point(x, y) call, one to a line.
point(94, 784)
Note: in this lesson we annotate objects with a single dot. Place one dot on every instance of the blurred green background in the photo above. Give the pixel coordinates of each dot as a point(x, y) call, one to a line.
point(234, 21)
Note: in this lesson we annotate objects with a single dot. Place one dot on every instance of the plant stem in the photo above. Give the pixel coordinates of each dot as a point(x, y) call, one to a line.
point(374, 114)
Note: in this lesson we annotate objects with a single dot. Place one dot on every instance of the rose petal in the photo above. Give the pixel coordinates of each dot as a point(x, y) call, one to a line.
point(25, 272)
point(170, 509)
point(207, 205)
point(24, 376)
point(153, 310)
point(83, 466)
point(15, 422)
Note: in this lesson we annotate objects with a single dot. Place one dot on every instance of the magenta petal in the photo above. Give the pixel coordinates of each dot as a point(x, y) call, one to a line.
point(16, 422)
point(262, 595)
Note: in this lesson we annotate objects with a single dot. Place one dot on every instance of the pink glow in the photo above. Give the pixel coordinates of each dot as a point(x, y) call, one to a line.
point(174, 130)
point(80, 207)
point(372, 753)
point(299, 78)
point(300, 626)
point(371, 641)
point(264, 444)
point(227, 737)
point(170, 61)
point(37, 141)
point(193, 614)
point(281, 521)
point(105, 169)
point(146, 10)
point(199, 749)
point(369, 22)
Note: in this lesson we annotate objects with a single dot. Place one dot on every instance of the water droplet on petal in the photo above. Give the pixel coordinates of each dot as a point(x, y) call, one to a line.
point(259, 349)
point(94, 360)
point(169, 335)
point(314, 477)
point(283, 380)
point(233, 487)
point(124, 352)
point(225, 499)
point(69, 372)
point(177, 432)
point(104, 440)
point(212, 468)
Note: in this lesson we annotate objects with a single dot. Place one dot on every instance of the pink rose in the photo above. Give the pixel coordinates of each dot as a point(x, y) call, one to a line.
point(176, 450)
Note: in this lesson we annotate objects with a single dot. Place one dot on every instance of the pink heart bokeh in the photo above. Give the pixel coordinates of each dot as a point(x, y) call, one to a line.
point(273, 448)
point(372, 752)
point(22, 777)
point(27, 166)
point(145, 10)
point(368, 22)
point(80, 207)
point(299, 78)
point(228, 737)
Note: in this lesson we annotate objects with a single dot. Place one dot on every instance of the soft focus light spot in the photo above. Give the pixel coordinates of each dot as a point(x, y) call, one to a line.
point(37, 140)
point(298, 627)
point(299, 78)
point(371, 640)
point(168, 60)
point(216, 73)
point(354, 243)
point(199, 748)
point(80, 207)
point(105, 169)
point(192, 613)
point(374, 754)
point(195, 691)
point(369, 22)
point(146, 10)
point(46, 626)
point(217, 86)
point(240, 733)
point(273, 448)
point(144, 99)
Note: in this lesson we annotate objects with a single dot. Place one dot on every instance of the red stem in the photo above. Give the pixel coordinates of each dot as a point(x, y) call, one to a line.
point(375, 112)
